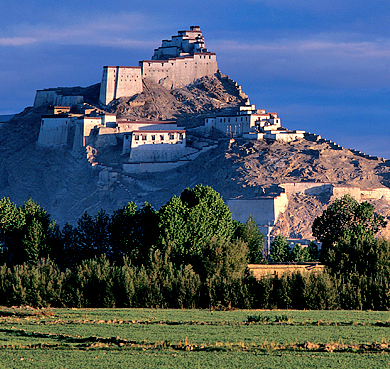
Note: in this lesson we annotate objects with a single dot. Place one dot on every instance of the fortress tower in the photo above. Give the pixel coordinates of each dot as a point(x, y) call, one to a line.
point(176, 63)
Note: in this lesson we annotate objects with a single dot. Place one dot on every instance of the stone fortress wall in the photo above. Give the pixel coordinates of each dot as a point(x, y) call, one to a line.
point(266, 209)
point(335, 146)
point(120, 81)
point(53, 96)
point(177, 63)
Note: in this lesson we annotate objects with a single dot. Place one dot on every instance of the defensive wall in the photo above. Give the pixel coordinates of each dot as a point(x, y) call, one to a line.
point(335, 191)
point(314, 137)
point(189, 155)
point(52, 96)
point(120, 81)
point(266, 209)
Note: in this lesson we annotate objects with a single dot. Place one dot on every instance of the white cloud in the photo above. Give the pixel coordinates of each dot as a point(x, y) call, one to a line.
point(120, 30)
point(323, 60)
point(17, 41)
point(370, 49)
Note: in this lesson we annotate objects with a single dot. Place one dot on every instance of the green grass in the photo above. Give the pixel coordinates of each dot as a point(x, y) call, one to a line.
point(97, 338)
point(125, 359)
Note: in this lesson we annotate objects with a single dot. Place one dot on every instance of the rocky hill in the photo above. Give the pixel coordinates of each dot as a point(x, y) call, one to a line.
point(65, 184)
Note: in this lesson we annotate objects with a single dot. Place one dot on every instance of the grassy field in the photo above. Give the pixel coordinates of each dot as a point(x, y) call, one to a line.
point(149, 338)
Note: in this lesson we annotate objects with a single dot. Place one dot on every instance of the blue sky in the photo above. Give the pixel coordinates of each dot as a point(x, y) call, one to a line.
point(324, 66)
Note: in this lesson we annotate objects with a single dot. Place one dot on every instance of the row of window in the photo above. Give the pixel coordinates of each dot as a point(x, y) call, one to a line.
point(162, 64)
point(228, 119)
point(144, 137)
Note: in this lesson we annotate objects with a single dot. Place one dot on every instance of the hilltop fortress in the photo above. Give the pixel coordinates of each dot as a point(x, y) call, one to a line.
point(149, 134)
point(151, 145)
point(176, 63)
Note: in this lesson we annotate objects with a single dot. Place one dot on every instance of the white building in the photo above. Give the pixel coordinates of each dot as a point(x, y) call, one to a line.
point(253, 124)
point(153, 146)
point(147, 144)
point(242, 120)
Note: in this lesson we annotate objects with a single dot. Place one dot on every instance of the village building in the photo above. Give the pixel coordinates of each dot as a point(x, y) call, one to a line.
point(248, 122)
point(155, 146)
point(143, 142)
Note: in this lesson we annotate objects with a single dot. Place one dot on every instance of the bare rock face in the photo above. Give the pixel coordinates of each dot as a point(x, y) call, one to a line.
point(66, 185)
point(186, 105)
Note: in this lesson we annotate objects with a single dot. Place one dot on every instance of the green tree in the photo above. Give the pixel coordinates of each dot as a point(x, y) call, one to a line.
point(91, 237)
point(12, 220)
point(280, 249)
point(346, 221)
point(313, 251)
point(226, 259)
point(134, 232)
point(35, 232)
point(192, 220)
point(25, 231)
point(299, 253)
point(249, 232)
point(358, 252)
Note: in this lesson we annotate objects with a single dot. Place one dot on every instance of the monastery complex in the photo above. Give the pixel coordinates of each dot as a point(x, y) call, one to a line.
point(151, 145)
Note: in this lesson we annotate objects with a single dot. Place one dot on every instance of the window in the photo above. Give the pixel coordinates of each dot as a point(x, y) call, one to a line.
point(153, 137)
point(181, 136)
point(162, 137)
point(144, 137)
point(171, 136)
point(136, 137)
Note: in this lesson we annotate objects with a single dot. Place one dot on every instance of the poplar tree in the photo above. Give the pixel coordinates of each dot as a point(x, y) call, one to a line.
point(280, 249)
point(192, 220)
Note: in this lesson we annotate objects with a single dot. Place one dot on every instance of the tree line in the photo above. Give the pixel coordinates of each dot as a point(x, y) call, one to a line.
point(189, 254)
point(183, 229)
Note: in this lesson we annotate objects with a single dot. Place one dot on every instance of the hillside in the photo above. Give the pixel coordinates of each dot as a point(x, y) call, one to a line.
point(64, 183)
